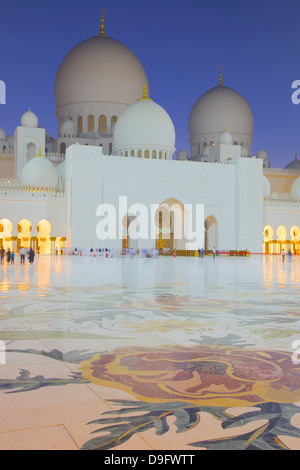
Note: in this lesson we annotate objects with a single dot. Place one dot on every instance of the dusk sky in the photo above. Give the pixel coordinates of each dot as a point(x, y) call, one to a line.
point(181, 46)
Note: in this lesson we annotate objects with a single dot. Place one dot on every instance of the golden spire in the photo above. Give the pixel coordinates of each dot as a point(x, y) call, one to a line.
point(102, 31)
point(296, 158)
point(40, 152)
point(221, 77)
point(145, 96)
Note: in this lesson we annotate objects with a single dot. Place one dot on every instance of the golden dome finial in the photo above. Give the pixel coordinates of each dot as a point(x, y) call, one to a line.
point(145, 92)
point(145, 96)
point(221, 76)
point(102, 31)
point(296, 158)
point(40, 152)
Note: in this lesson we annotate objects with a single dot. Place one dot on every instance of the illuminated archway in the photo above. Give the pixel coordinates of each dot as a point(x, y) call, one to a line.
point(24, 229)
point(91, 123)
point(171, 222)
point(268, 243)
point(281, 233)
point(102, 124)
point(44, 242)
point(6, 228)
point(295, 239)
point(80, 124)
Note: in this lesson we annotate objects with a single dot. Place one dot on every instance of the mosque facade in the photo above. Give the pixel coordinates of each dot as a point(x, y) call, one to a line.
point(115, 150)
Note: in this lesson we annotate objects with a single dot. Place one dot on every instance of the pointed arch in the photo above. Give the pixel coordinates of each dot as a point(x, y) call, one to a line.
point(102, 127)
point(211, 232)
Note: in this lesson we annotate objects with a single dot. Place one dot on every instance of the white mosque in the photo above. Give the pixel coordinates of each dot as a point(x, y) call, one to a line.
point(114, 143)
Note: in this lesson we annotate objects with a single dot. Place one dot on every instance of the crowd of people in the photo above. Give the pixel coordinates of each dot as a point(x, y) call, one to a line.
point(9, 255)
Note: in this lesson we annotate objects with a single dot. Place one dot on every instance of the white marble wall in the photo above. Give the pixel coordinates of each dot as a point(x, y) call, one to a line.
point(232, 193)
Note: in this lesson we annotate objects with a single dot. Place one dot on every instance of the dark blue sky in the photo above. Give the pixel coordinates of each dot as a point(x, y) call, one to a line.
point(181, 45)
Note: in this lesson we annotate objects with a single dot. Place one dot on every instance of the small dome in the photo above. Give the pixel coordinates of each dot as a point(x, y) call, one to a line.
point(39, 173)
point(262, 154)
point(144, 125)
point(10, 140)
point(2, 134)
point(266, 187)
point(182, 155)
point(29, 119)
point(225, 138)
point(68, 129)
point(295, 190)
point(294, 165)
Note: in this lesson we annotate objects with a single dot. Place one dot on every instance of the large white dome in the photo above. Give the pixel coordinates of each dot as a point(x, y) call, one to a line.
point(99, 69)
point(144, 125)
point(218, 109)
point(39, 173)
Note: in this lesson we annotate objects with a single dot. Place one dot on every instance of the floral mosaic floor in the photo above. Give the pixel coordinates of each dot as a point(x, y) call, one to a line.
point(150, 354)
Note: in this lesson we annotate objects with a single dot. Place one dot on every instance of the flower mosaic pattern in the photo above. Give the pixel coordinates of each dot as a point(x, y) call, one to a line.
point(200, 375)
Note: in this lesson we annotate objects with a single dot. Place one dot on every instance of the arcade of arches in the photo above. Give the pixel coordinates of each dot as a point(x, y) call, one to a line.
point(169, 221)
point(274, 241)
point(22, 236)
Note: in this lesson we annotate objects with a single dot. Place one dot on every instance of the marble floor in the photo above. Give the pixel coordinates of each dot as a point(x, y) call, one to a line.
point(150, 354)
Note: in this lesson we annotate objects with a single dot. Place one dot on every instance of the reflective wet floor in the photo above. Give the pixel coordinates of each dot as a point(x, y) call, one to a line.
point(150, 354)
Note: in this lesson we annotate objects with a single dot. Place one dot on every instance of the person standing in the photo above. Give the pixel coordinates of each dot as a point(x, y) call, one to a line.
point(13, 258)
point(283, 256)
point(2, 253)
point(22, 254)
point(214, 252)
point(8, 256)
point(31, 256)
